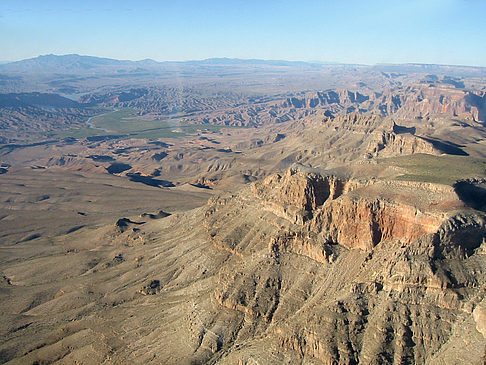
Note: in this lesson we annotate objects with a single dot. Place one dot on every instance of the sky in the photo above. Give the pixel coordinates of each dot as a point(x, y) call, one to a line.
point(348, 31)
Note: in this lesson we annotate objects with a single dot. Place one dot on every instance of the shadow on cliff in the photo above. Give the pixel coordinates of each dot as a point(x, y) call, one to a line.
point(479, 101)
point(150, 181)
point(471, 194)
point(446, 147)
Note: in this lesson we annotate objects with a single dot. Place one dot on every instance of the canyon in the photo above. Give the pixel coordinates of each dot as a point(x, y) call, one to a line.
point(241, 212)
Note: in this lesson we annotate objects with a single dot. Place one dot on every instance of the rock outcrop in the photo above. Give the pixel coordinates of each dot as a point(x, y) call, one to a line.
point(300, 267)
point(374, 263)
point(339, 211)
point(413, 101)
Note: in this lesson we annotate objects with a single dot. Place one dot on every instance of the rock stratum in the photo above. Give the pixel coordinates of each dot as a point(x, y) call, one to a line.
point(231, 109)
point(300, 267)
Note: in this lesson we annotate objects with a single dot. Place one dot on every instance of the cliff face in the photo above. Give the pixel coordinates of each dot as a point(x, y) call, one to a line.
point(351, 137)
point(349, 213)
point(424, 102)
point(373, 263)
point(387, 144)
point(298, 268)
point(416, 101)
point(363, 223)
point(297, 195)
point(410, 102)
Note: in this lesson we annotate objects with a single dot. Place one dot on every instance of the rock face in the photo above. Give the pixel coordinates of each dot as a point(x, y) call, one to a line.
point(301, 267)
point(347, 212)
point(363, 223)
point(398, 145)
point(413, 101)
point(410, 102)
point(296, 195)
point(316, 255)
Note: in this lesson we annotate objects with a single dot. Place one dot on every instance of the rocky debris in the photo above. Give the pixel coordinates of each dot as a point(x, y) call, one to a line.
point(151, 288)
point(304, 244)
point(5, 281)
point(118, 259)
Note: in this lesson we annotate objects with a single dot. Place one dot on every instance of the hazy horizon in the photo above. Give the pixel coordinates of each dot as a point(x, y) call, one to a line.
point(428, 32)
point(323, 62)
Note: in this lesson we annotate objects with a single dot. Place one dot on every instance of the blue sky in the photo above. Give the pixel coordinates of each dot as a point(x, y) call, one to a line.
point(350, 31)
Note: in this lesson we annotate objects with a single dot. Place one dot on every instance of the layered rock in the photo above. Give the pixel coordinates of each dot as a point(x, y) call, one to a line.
point(289, 270)
point(378, 263)
point(387, 144)
point(415, 101)
point(351, 213)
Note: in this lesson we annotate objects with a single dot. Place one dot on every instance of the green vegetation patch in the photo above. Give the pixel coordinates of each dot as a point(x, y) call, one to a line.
point(437, 169)
point(123, 122)
point(79, 133)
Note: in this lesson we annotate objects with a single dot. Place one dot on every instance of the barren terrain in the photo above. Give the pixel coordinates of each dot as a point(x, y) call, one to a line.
point(241, 212)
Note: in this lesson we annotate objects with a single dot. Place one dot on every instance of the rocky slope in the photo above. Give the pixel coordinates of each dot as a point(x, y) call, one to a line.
point(406, 102)
point(369, 262)
point(416, 101)
point(29, 115)
point(299, 267)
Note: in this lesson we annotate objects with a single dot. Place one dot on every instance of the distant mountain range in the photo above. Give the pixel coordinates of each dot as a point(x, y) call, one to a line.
point(69, 63)
point(37, 100)
point(77, 64)
point(74, 63)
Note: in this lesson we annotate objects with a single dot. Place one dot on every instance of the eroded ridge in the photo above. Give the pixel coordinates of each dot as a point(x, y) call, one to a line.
point(391, 269)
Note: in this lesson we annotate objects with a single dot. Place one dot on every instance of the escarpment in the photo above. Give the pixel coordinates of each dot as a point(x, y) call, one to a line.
point(355, 137)
point(391, 144)
point(334, 211)
point(299, 194)
point(346, 221)
point(300, 267)
point(391, 269)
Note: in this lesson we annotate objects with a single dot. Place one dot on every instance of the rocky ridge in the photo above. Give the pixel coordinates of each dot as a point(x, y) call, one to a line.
point(394, 270)
point(375, 260)
point(413, 101)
